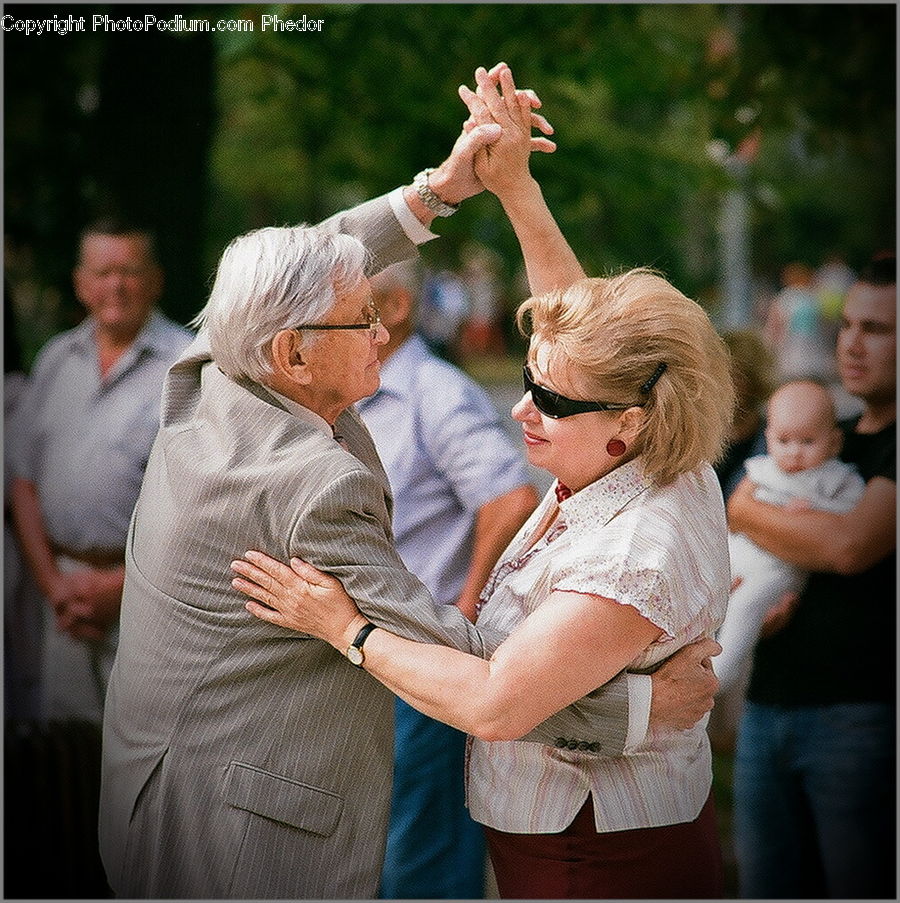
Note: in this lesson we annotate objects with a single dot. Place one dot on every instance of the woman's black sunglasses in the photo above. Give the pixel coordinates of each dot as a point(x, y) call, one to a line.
point(555, 405)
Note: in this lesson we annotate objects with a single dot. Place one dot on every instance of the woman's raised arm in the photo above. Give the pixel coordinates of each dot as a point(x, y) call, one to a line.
point(503, 169)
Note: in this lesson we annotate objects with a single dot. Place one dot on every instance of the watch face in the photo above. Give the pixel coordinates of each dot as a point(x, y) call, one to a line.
point(355, 655)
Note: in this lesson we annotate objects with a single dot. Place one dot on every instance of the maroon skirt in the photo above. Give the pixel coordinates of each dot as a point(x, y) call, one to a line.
point(678, 862)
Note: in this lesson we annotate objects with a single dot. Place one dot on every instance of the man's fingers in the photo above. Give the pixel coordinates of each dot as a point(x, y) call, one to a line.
point(479, 114)
point(477, 108)
point(479, 137)
point(705, 648)
point(532, 96)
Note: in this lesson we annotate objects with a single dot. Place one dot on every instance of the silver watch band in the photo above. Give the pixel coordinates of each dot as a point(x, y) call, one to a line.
point(429, 198)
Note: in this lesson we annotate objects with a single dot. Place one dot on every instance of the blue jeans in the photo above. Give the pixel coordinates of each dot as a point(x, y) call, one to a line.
point(434, 849)
point(814, 802)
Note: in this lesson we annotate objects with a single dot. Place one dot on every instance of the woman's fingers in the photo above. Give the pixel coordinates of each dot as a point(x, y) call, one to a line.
point(269, 565)
point(313, 575)
point(254, 574)
point(514, 103)
point(265, 614)
point(487, 91)
point(526, 99)
point(544, 145)
point(254, 591)
point(264, 581)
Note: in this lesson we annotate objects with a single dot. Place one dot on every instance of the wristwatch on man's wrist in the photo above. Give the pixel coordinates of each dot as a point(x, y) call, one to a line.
point(429, 198)
point(355, 650)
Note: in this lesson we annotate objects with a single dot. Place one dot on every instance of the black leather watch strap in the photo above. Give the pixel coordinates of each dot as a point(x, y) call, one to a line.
point(355, 651)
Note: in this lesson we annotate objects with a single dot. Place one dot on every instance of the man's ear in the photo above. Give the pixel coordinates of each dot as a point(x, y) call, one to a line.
point(78, 278)
point(156, 281)
point(395, 305)
point(288, 359)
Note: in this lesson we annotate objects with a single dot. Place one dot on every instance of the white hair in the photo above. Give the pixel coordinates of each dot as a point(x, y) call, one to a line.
point(272, 279)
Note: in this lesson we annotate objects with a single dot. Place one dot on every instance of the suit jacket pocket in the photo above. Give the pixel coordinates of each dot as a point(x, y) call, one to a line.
point(282, 799)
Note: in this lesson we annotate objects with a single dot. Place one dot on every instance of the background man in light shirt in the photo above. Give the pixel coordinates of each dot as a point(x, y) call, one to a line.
point(81, 438)
point(461, 491)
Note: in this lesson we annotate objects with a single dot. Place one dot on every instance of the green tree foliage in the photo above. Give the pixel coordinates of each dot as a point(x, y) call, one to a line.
point(99, 123)
point(652, 104)
point(638, 94)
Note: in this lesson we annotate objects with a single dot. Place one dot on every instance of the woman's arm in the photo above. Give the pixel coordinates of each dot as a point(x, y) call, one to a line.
point(846, 543)
point(503, 169)
point(570, 645)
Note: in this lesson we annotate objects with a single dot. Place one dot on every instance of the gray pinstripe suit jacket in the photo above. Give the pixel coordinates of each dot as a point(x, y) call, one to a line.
point(242, 760)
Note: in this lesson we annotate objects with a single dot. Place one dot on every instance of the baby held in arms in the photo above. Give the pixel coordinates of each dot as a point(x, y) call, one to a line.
point(801, 470)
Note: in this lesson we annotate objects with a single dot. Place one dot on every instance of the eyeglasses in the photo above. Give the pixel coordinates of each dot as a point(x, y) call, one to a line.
point(373, 321)
point(556, 406)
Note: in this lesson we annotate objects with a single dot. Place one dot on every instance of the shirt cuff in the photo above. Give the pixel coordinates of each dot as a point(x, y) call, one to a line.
point(640, 688)
point(409, 222)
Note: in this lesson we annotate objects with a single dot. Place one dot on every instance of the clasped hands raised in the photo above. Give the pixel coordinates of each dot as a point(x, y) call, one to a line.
point(502, 164)
point(493, 147)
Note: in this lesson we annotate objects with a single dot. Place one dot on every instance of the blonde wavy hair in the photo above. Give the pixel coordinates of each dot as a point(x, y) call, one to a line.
point(613, 333)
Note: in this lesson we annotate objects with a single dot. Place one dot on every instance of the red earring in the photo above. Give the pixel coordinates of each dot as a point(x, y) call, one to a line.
point(615, 448)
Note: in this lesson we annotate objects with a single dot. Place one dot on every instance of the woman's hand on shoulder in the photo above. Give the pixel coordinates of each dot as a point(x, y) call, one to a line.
point(299, 597)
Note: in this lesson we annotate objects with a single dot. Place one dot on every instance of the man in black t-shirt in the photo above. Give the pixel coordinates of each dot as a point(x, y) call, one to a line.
point(814, 777)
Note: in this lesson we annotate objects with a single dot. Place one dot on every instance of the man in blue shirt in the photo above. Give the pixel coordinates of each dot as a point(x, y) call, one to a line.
point(461, 491)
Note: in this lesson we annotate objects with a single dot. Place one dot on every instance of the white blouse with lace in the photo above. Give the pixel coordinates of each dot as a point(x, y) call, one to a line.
point(663, 550)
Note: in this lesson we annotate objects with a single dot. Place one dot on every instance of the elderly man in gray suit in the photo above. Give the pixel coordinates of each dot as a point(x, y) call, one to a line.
point(242, 760)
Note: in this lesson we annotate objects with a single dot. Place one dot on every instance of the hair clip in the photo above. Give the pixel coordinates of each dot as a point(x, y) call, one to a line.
point(657, 373)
